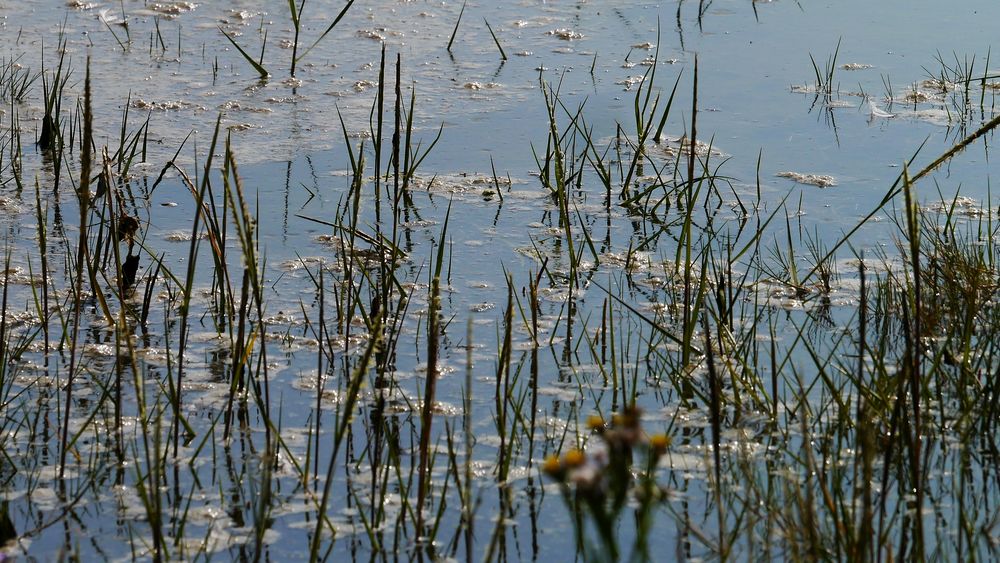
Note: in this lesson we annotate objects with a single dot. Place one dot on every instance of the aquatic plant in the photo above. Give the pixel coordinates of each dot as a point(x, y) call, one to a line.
point(824, 76)
point(296, 15)
point(614, 475)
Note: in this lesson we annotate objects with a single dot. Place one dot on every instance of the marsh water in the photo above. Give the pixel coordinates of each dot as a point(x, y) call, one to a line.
point(801, 161)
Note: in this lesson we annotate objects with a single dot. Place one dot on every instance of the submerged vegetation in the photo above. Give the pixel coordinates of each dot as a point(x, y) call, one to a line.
point(670, 360)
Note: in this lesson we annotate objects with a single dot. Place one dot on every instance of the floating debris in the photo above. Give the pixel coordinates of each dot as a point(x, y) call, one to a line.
point(937, 84)
point(99, 350)
point(15, 275)
point(418, 224)
point(377, 34)
point(233, 105)
point(300, 263)
point(362, 85)
point(962, 205)
point(169, 10)
point(108, 16)
point(168, 105)
point(181, 236)
point(918, 97)
point(673, 145)
point(819, 180)
point(244, 15)
point(878, 112)
point(480, 85)
point(855, 66)
point(630, 81)
point(463, 182)
point(565, 34)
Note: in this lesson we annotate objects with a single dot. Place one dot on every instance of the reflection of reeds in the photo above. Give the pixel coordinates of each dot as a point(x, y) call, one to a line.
point(343, 423)
point(83, 195)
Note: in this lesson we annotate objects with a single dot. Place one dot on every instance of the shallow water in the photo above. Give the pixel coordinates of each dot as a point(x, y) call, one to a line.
point(757, 102)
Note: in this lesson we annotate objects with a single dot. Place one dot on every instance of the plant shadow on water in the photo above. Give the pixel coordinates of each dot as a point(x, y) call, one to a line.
point(456, 306)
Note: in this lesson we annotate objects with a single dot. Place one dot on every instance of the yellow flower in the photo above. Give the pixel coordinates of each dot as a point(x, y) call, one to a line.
point(574, 458)
point(552, 466)
point(659, 443)
point(595, 422)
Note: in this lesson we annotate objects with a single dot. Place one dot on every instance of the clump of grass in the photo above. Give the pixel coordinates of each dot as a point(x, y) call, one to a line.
point(15, 80)
point(824, 76)
point(53, 85)
point(296, 15)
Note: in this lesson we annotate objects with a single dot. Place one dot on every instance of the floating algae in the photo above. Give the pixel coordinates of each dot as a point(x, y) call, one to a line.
point(819, 180)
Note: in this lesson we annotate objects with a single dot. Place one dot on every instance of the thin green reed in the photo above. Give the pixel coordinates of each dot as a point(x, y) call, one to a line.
point(192, 261)
point(427, 412)
point(455, 31)
point(914, 333)
point(296, 15)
